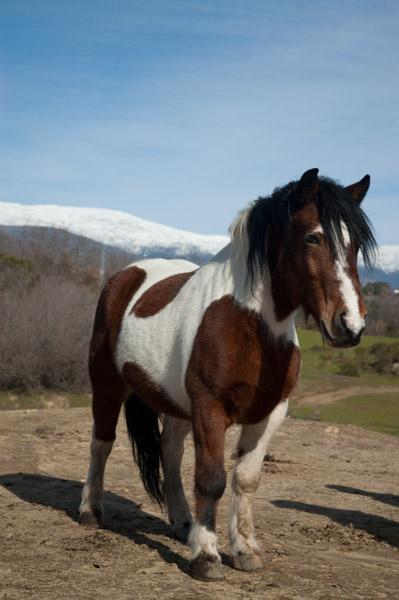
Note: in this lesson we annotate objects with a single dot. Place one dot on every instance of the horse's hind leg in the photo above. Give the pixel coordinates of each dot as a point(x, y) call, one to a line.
point(174, 432)
point(108, 395)
point(251, 450)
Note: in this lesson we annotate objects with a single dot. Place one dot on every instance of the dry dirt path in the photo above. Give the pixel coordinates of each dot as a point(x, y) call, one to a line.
point(326, 515)
point(308, 393)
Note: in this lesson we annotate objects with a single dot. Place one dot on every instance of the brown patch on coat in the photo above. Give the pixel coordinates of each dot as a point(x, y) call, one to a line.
point(109, 389)
point(238, 366)
point(150, 393)
point(160, 295)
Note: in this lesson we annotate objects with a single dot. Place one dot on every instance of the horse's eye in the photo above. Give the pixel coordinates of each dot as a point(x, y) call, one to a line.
point(311, 238)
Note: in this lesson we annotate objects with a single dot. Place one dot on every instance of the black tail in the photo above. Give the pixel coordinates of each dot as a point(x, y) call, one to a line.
point(143, 426)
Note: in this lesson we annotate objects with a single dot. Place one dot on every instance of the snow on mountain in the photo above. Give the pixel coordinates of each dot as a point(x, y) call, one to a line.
point(114, 228)
point(144, 238)
point(387, 259)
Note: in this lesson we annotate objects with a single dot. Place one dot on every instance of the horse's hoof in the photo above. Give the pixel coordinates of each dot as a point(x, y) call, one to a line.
point(247, 562)
point(92, 518)
point(206, 568)
point(181, 533)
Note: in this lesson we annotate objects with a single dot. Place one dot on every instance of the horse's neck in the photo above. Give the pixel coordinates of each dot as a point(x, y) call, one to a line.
point(231, 270)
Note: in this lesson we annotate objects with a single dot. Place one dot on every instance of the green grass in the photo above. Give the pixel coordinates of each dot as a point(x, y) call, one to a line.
point(32, 399)
point(325, 368)
point(79, 400)
point(376, 412)
point(309, 338)
point(320, 361)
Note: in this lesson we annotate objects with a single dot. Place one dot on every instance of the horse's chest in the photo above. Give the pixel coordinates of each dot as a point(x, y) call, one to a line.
point(268, 382)
point(238, 364)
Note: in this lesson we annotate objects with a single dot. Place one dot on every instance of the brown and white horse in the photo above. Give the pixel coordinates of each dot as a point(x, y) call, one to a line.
point(212, 346)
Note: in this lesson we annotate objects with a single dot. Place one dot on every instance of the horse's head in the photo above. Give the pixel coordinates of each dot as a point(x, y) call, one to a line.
point(312, 231)
point(328, 228)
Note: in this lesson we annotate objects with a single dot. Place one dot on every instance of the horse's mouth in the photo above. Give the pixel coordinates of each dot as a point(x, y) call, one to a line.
point(342, 341)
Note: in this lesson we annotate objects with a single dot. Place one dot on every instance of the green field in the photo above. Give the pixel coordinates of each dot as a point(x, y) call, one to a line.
point(323, 370)
point(319, 361)
point(377, 412)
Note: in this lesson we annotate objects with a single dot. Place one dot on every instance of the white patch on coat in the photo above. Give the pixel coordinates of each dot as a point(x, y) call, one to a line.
point(345, 234)
point(353, 318)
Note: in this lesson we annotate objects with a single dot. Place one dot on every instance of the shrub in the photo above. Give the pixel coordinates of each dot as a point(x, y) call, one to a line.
point(45, 334)
point(349, 369)
point(48, 295)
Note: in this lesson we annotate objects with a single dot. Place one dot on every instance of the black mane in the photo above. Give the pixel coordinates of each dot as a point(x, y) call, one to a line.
point(333, 203)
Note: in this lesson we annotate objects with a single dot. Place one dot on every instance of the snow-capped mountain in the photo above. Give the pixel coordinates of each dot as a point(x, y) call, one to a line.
point(387, 259)
point(147, 239)
point(115, 228)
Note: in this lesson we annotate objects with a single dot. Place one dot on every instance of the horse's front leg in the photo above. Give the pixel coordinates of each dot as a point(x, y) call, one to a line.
point(210, 481)
point(244, 550)
point(174, 432)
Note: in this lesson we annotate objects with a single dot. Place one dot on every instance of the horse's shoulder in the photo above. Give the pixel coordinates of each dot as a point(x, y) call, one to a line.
point(237, 358)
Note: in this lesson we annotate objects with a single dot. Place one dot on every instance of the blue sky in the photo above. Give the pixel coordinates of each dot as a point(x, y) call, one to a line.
point(182, 111)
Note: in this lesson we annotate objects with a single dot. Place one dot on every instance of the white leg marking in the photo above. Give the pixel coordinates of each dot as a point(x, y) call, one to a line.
point(252, 445)
point(94, 488)
point(172, 448)
point(202, 541)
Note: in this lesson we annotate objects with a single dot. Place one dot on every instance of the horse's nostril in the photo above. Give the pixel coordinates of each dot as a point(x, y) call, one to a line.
point(342, 317)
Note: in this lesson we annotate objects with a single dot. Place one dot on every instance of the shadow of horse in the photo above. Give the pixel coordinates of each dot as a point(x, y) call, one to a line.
point(123, 516)
point(382, 529)
point(385, 498)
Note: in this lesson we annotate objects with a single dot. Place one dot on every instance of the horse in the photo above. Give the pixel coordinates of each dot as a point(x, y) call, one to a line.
point(203, 348)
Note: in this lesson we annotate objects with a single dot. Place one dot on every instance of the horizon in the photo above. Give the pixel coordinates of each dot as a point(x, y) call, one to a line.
point(181, 113)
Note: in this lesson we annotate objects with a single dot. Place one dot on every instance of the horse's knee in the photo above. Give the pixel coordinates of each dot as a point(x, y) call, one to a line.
point(245, 481)
point(211, 483)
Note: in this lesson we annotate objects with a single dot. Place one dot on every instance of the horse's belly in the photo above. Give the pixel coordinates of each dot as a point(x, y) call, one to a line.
point(148, 351)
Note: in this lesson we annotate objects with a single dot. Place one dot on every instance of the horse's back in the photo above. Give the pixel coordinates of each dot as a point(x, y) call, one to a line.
point(123, 288)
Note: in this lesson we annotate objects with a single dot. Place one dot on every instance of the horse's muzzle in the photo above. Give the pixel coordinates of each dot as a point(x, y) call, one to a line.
point(340, 334)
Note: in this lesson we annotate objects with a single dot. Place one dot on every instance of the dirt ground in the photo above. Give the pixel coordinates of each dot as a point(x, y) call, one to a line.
point(326, 514)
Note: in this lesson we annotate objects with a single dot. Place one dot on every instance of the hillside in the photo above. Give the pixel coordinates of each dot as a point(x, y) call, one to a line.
point(116, 229)
point(143, 238)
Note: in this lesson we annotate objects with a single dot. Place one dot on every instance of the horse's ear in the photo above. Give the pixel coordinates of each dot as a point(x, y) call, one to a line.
point(359, 190)
point(308, 186)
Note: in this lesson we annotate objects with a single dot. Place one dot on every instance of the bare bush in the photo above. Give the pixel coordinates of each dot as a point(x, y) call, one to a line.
point(383, 314)
point(49, 284)
point(45, 333)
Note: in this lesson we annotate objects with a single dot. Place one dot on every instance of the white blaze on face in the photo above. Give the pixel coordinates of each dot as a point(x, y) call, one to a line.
point(353, 318)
